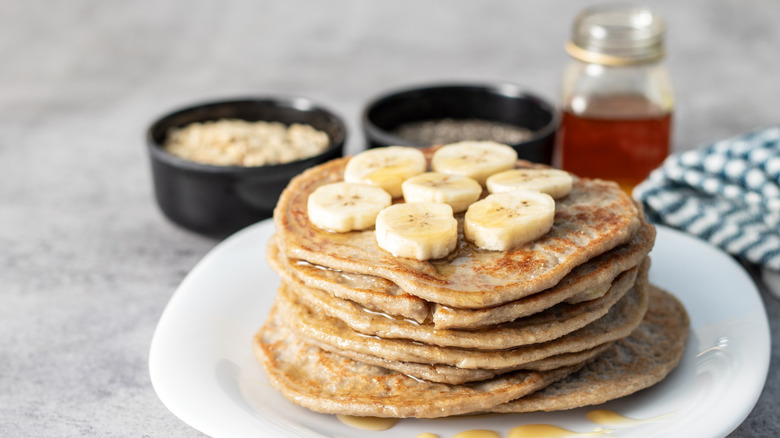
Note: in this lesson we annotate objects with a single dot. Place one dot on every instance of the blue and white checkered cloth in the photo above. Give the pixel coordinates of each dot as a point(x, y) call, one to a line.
point(727, 193)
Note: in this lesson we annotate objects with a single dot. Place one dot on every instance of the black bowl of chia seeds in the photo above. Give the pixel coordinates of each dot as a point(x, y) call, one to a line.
point(447, 113)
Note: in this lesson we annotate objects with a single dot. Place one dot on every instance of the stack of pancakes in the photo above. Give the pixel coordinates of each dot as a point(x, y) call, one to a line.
point(565, 321)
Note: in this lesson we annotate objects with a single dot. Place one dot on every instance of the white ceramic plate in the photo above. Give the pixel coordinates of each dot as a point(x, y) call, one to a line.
point(202, 367)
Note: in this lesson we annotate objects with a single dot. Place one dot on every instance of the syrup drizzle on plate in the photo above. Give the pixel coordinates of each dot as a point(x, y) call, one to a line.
point(603, 417)
point(550, 431)
point(477, 433)
point(610, 418)
point(368, 423)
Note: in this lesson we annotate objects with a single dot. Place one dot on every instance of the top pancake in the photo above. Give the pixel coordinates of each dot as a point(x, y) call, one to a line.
point(381, 295)
point(595, 217)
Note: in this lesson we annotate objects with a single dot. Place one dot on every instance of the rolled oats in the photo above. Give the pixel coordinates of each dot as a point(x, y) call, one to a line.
point(231, 142)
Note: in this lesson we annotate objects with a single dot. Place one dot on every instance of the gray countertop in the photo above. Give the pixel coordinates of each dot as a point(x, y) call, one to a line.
point(88, 262)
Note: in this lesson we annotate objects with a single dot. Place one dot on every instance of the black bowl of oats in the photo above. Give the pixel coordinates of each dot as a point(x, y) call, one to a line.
point(220, 166)
point(447, 113)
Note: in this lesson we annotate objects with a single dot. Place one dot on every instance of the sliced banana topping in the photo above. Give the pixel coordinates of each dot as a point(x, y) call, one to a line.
point(417, 230)
point(343, 206)
point(386, 167)
point(556, 183)
point(504, 221)
point(474, 159)
point(457, 191)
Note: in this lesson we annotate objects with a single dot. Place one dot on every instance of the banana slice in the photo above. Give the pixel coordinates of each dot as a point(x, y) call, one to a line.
point(504, 221)
point(417, 230)
point(474, 159)
point(556, 183)
point(386, 167)
point(343, 207)
point(457, 191)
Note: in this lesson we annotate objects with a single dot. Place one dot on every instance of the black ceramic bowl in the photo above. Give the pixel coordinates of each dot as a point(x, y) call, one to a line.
point(218, 200)
point(505, 103)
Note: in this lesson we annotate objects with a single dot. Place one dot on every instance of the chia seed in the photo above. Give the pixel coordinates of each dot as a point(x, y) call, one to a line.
point(445, 131)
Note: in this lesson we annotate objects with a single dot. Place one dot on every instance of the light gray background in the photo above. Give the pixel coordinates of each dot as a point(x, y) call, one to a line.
point(87, 261)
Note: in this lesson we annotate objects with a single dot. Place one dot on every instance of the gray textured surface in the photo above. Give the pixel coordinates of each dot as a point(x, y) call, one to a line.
point(87, 262)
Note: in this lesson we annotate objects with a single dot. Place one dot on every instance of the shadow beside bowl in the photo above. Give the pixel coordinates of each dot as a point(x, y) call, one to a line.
point(219, 200)
point(505, 103)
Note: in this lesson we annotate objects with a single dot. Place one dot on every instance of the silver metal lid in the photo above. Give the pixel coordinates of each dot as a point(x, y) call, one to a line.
point(617, 34)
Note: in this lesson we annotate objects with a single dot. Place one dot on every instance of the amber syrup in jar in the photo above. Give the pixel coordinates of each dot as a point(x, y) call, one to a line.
point(616, 95)
point(615, 143)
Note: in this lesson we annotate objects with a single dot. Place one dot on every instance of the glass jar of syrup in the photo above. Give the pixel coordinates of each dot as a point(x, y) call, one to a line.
point(617, 98)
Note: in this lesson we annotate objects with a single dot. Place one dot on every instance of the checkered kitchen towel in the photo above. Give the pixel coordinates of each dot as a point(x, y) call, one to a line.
point(727, 193)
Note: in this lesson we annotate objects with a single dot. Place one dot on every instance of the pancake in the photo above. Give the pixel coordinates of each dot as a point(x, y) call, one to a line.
point(637, 362)
point(311, 324)
point(590, 275)
point(383, 296)
point(544, 326)
point(332, 384)
point(594, 218)
point(329, 383)
point(373, 293)
point(454, 375)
